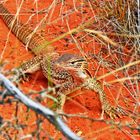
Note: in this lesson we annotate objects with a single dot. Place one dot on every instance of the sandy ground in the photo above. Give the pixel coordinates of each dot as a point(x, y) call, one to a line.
point(82, 102)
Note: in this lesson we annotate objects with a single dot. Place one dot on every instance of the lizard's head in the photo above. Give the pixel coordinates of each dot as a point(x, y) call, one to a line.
point(74, 62)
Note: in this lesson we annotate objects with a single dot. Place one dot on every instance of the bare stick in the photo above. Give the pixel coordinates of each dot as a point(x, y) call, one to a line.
point(46, 112)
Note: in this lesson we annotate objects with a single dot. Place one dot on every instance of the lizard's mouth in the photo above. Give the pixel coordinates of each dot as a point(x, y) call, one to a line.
point(83, 73)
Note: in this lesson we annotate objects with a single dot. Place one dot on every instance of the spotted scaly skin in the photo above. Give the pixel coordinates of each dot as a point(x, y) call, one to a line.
point(67, 70)
point(111, 111)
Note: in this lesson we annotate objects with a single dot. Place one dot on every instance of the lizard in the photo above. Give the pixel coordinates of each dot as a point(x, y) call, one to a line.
point(66, 70)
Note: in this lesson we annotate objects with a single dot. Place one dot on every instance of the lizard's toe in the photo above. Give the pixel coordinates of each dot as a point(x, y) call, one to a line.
point(115, 112)
point(112, 113)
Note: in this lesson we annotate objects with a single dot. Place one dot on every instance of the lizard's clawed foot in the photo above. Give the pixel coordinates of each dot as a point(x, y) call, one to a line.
point(19, 76)
point(114, 112)
point(24, 78)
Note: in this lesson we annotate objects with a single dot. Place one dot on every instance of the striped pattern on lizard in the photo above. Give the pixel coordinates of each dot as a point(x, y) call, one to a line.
point(67, 70)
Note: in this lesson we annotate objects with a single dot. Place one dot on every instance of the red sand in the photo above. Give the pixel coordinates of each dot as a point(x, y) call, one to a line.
point(86, 102)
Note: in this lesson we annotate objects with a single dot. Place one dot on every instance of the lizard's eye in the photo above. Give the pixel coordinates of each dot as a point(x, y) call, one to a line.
point(72, 62)
point(77, 63)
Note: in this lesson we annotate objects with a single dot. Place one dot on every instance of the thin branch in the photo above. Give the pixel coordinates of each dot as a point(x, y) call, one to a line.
point(46, 112)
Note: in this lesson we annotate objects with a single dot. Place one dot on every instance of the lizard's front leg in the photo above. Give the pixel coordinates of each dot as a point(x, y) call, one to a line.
point(64, 89)
point(30, 66)
point(110, 110)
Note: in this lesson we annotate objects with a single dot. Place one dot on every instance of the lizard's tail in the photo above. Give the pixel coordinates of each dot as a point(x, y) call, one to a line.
point(23, 32)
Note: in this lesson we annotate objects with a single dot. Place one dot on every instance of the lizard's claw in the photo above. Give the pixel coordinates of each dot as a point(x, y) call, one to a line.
point(25, 78)
point(114, 112)
point(19, 75)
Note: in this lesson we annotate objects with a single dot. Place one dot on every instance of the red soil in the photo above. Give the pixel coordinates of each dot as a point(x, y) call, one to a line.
point(84, 101)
